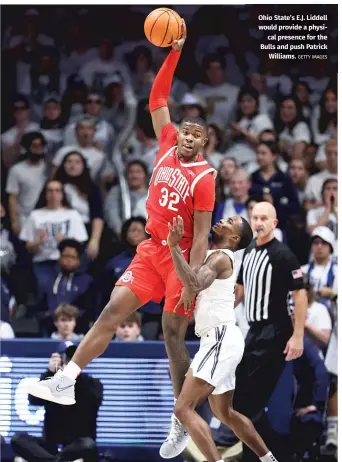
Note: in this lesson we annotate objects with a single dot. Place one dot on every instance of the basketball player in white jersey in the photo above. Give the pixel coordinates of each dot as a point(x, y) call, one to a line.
point(212, 371)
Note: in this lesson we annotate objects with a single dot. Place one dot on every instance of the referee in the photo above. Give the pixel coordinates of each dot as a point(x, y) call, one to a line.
point(269, 273)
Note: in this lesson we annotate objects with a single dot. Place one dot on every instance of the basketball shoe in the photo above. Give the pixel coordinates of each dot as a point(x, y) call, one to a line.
point(58, 389)
point(176, 441)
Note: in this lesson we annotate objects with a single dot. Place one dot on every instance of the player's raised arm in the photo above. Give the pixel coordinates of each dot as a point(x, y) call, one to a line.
point(162, 84)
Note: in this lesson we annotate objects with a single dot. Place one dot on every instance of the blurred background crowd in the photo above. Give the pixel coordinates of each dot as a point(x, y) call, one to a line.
point(78, 149)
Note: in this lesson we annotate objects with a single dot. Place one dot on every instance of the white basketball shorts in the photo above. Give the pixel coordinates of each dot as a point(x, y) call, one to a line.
point(220, 352)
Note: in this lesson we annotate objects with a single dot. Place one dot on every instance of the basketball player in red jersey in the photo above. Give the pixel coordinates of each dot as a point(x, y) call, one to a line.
point(182, 183)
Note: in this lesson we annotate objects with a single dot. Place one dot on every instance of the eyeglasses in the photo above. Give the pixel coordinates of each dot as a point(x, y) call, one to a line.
point(19, 108)
point(95, 101)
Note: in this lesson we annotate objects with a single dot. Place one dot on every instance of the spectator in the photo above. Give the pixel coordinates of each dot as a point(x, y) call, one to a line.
point(65, 318)
point(145, 145)
point(248, 126)
point(133, 232)
point(269, 136)
point(294, 134)
point(74, 99)
point(299, 176)
point(115, 111)
point(84, 196)
point(301, 92)
point(50, 223)
point(273, 185)
point(137, 178)
point(52, 124)
point(191, 106)
point(10, 140)
point(130, 329)
point(6, 331)
point(225, 172)
point(142, 71)
point(96, 160)
point(95, 71)
point(326, 214)
point(324, 117)
point(26, 180)
point(321, 272)
point(236, 205)
point(313, 191)
point(69, 284)
point(265, 104)
point(104, 133)
point(312, 381)
point(318, 323)
point(44, 78)
point(72, 427)
point(211, 150)
point(220, 96)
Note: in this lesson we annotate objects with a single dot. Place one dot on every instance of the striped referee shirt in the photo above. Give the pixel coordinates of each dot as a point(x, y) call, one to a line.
point(269, 273)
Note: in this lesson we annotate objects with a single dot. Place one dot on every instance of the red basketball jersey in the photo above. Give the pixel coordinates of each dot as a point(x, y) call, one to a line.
point(177, 188)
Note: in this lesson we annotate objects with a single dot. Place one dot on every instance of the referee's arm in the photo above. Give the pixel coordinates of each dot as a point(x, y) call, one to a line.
point(294, 347)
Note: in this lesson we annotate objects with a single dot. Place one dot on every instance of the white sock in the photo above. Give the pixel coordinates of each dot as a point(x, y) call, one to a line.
point(269, 457)
point(174, 400)
point(332, 421)
point(221, 460)
point(71, 370)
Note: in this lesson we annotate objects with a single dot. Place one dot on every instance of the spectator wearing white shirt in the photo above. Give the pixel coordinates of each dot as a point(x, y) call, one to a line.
point(104, 132)
point(49, 224)
point(224, 175)
point(265, 104)
point(220, 96)
point(142, 71)
point(322, 271)
point(115, 111)
point(324, 118)
point(248, 126)
point(10, 139)
point(299, 176)
point(6, 331)
point(313, 190)
point(84, 143)
point(26, 180)
point(293, 133)
point(95, 71)
point(326, 214)
point(318, 323)
point(74, 99)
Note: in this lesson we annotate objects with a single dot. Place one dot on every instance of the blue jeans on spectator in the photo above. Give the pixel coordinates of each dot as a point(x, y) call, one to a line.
point(43, 272)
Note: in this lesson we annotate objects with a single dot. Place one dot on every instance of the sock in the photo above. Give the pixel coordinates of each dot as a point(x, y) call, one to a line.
point(269, 457)
point(221, 460)
point(174, 400)
point(161, 87)
point(71, 370)
point(332, 421)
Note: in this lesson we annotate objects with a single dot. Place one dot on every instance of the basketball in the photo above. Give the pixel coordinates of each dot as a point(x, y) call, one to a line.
point(163, 26)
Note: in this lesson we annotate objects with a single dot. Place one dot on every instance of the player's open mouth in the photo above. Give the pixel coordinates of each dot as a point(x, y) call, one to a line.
point(187, 147)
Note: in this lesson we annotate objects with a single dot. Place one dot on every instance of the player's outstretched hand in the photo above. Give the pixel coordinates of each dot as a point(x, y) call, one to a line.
point(176, 231)
point(294, 348)
point(186, 299)
point(178, 44)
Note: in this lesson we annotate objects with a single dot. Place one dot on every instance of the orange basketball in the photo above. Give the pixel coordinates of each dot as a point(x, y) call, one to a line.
point(162, 26)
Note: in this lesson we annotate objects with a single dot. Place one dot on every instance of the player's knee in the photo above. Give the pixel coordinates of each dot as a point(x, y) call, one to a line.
point(174, 328)
point(182, 411)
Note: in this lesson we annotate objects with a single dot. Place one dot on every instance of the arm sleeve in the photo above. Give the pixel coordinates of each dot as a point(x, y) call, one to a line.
point(293, 270)
point(95, 203)
point(27, 233)
point(204, 194)
point(12, 186)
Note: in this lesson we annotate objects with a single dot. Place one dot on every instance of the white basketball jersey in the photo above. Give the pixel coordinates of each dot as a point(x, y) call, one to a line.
point(215, 305)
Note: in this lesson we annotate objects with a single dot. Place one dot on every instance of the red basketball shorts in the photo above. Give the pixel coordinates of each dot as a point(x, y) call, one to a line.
point(152, 275)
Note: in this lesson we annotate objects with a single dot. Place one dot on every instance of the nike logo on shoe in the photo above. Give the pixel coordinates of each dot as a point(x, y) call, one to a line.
point(58, 388)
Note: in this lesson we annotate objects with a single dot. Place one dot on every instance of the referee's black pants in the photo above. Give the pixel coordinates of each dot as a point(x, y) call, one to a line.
point(256, 378)
point(34, 449)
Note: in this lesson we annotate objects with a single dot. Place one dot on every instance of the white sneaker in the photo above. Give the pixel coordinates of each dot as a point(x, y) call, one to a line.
point(176, 441)
point(58, 389)
point(331, 436)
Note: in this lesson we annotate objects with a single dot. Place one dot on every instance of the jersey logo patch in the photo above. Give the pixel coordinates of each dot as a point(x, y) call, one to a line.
point(127, 277)
point(296, 274)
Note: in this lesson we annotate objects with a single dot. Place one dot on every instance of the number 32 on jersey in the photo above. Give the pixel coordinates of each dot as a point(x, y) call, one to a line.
point(169, 200)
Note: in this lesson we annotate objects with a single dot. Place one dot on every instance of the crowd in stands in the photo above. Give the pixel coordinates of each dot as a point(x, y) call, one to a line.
point(68, 175)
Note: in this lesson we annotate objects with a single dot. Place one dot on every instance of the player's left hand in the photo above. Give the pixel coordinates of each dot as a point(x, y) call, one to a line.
point(178, 44)
point(176, 231)
point(186, 299)
point(294, 348)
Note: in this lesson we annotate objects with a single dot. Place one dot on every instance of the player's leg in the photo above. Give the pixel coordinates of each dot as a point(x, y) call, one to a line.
point(222, 407)
point(194, 392)
point(135, 287)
